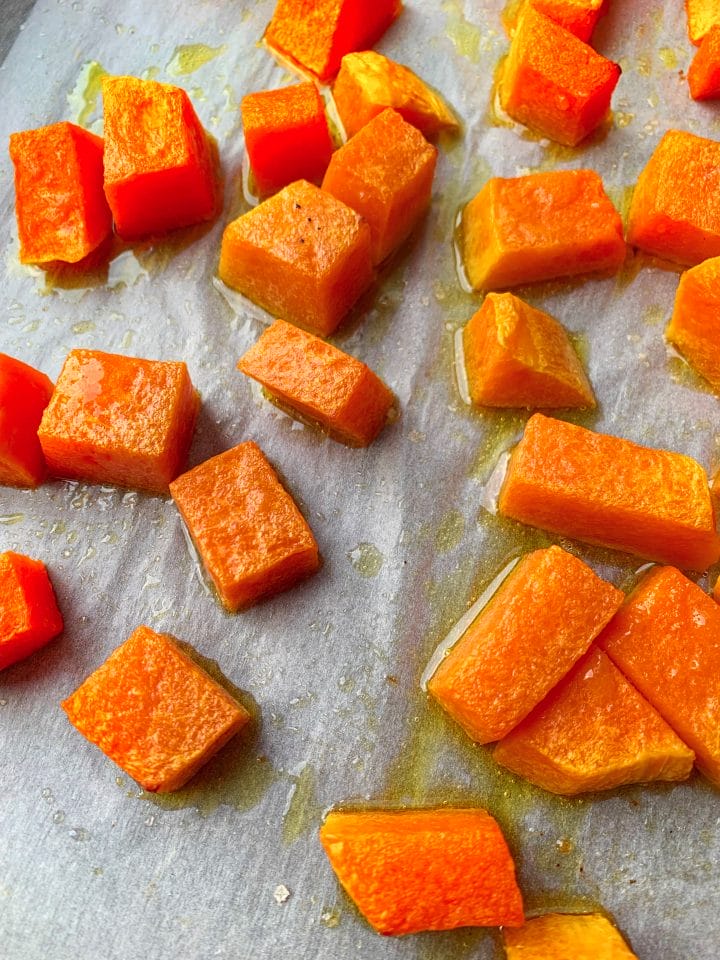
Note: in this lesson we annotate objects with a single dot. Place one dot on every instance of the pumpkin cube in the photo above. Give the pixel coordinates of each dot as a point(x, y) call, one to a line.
point(694, 327)
point(24, 394)
point(580, 17)
point(702, 16)
point(704, 73)
point(29, 616)
point(565, 936)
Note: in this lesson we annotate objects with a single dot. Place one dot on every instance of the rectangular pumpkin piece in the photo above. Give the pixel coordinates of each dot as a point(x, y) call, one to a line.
point(29, 615)
point(540, 621)
point(24, 394)
point(319, 382)
point(666, 640)
point(414, 870)
point(611, 492)
point(251, 536)
point(154, 711)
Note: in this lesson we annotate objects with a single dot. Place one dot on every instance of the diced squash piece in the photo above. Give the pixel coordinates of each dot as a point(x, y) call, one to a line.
point(594, 731)
point(704, 73)
point(385, 173)
point(159, 165)
point(517, 356)
point(702, 16)
point(286, 136)
point(316, 34)
point(554, 83)
point(564, 936)
point(301, 255)
point(120, 420)
point(666, 640)
point(539, 227)
point(540, 621)
point(319, 382)
point(580, 17)
point(251, 536)
point(611, 492)
point(60, 206)
point(156, 713)
point(29, 615)
point(413, 870)
point(24, 394)
point(665, 218)
point(368, 83)
point(694, 327)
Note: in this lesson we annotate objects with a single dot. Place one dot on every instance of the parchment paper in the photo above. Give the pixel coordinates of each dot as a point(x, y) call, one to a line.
point(231, 868)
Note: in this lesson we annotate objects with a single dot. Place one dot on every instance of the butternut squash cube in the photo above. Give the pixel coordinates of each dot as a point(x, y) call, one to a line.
point(580, 17)
point(703, 75)
point(694, 327)
point(24, 394)
point(702, 16)
point(564, 936)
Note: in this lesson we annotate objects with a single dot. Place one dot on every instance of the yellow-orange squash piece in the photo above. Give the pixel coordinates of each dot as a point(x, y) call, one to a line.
point(302, 255)
point(154, 711)
point(517, 356)
point(61, 210)
point(251, 536)
point(578, 16)
point(29, 615)
point(368, 83)
point(319, 382)
point(385, 173)
point(594, 731)
point(694, 327)
point(543, 617)
point(666, 640)
point(611, 492)
point(564, 936)
point(668, 217)
point(413, 870)
point(24, 394)
point(703, 75)
point(554, 83)
point(702, 16)
point(539, 227)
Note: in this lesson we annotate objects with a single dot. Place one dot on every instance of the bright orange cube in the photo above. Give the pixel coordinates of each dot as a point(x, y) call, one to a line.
point(315, 380)
point(565, 936)
point(61, 210)
point(540, 227)
point(517, 356)
point(251, 536)
point(301, 255)
point(316, 34)
point(156, 713)
point(703, 76)
point(286, 136)
point(694, 327)
point(554, 83)
point(385, 173)
point(29, 615)
point(668, 216)
point(702, 16)
point(120, 420)
point(159, 165)
point(24, 394)
point(580, 17)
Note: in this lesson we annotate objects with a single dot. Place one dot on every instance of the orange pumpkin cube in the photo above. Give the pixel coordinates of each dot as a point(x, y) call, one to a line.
point(286, 136)
point(385, 173)
point(61, 210)
point(120, 420)
point(539, 227)
point(316, 380)
point(703, 76)
point(694, 327)
point(368, 83)
point(316, 34)
point(565, 936)
point(702, 16)
point(301, 255)
point(156, 713)
point(159, 166)
point(580, 17)
point(554, 83)
point(251, 536)
point(29, 615)
point(24, 394)
point(517, 356)
point(668, 216)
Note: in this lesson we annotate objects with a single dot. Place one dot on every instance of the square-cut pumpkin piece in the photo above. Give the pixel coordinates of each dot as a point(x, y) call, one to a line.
point(29, 615)
point(159, 165)
point(702, 16)
point(122, 420)
point(694, 327)
point(703, 75)
point(24, 394)
point(317, 381)
point(385, 173)
point(669, 217)
point(286, 136)
point(316, 34)
point(517, 356)
point(580, 17)
point(565, 936)
point(540, 227)
point(251, 536)
point(61, 210)
point(301, 255)
point(156, 713)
